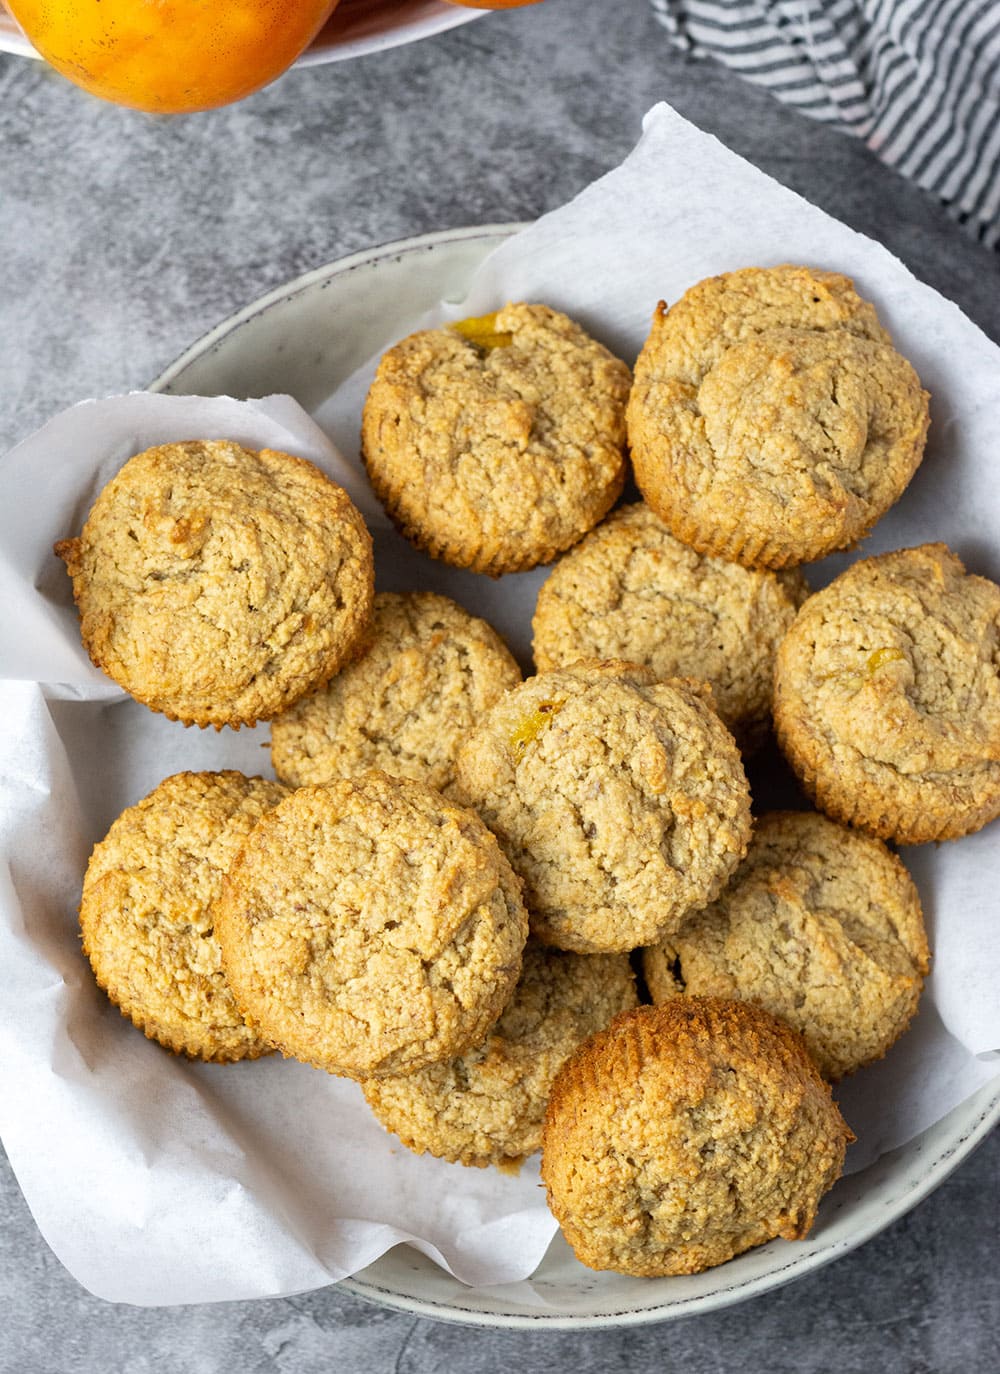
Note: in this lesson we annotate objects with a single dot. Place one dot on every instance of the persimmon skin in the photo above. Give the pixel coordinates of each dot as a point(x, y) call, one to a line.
point(171, 56)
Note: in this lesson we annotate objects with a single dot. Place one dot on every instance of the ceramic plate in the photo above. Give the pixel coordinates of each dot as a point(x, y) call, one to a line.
point(304, 339)
point(356, 27)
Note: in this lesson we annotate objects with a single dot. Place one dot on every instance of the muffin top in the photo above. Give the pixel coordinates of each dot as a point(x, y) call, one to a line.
point(887, 696)
point(686, 1133)
point(620, 801)
point(487, 1106)
point(145, 913)
point(368, 927)
point(217, 584)
point(772, 420)
point(497, 442)
point(630, 590)
point(429, 673)
point(821, 926)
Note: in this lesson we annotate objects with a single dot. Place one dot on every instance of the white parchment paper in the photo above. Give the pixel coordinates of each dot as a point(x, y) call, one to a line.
point(159, 1181)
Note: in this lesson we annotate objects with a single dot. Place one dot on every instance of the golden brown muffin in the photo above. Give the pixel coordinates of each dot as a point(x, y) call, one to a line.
point(887, 696)
point(487, 1106)
point(429, 674)
point(630, 590)
point(820, 926)
point(620, 801)
point(218, 585)
point(685, 1134)
point(369, 927)
point(771, 420)
point(145, 914)
point(498, 442)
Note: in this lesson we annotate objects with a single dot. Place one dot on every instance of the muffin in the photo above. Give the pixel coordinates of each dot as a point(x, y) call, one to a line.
point(771, 420)
point(498, 442)
point(487, 1106)
point(369, 927)
point(430, 672)
point(630, 590)
point(218, 585)
point(620, 801)
point(887, 696)
point(819, 925)
point(145, 913)
point(685, 1134)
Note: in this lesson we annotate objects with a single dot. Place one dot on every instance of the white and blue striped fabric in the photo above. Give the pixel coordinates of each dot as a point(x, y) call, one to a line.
point(918, 80)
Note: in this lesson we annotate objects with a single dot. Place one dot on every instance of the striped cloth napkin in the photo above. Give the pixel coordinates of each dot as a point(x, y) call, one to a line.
point(918, 80)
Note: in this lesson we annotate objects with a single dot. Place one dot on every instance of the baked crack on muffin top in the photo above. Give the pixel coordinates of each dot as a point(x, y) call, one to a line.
point(429, 673)
point(370, 927)
point(217, 584)
point(498, 442)
point(821, 926)
point(771, 420)
point(619, 800)
point(630, 590)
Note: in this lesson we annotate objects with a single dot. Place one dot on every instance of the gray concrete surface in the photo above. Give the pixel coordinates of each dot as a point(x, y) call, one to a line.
point(122, 239)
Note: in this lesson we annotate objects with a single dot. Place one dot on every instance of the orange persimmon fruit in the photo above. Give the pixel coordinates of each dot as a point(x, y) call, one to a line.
point(171, 56)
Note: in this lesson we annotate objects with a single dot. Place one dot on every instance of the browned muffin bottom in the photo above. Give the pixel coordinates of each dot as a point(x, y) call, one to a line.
point(887, 696)
point(685, 1134)
point(498, 442)
point(217, 584)
point(771, 420)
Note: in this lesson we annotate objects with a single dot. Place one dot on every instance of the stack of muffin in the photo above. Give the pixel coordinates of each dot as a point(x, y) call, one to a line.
point(441, 896)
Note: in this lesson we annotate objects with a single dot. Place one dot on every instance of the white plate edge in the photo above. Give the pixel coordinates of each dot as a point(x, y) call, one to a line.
point(396, 248)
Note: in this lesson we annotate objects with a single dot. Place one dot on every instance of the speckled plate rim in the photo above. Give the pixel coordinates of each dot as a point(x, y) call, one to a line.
point(860, 1206)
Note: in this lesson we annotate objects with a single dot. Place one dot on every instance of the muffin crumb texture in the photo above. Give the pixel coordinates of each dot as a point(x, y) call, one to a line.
point(487, 1106)
point(685, 1134)
point(369, 927)
point(771, 420)
point(406, 705)
point(218, 585)
point(630, 590)
point(620, 801)
point(496, 445)
point(820, 925)
point(887, 696)
point(145, 913)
